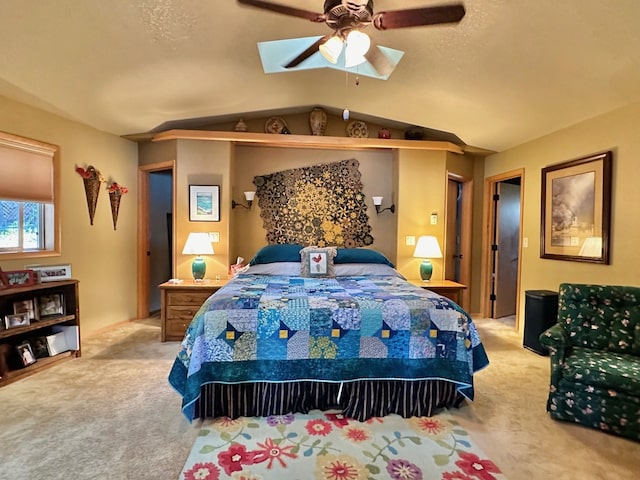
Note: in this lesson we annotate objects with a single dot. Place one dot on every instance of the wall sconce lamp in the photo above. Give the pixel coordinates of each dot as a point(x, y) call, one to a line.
point(249, 196)
point(426, 248)
point(377, 202)
point(198, 244)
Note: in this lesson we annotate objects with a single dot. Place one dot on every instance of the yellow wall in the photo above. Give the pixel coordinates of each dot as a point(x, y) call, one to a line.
point(422, 181)
point(103, 260)
point(616, 131)
point(203, 163)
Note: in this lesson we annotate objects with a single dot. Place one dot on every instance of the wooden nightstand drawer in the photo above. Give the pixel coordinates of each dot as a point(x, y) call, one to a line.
point(187, 298)
point(182, 312)
point(176, 328)
point(179, 304)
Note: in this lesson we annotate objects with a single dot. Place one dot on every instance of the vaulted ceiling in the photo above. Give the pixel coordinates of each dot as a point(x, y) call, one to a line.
point(509, 72)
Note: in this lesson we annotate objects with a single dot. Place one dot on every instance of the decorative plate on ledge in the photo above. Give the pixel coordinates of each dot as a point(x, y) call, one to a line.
point(357, 129)
point(275, 125)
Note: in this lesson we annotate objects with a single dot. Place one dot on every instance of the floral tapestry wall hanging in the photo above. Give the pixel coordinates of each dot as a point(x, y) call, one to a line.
point(318, 205)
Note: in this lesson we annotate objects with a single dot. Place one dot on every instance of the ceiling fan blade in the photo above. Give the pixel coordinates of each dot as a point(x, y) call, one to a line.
point(416, 17)
point(313, 48)
point(284, 9)
point(379, 61)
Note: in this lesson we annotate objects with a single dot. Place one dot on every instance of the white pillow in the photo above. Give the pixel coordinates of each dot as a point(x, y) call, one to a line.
point(364, 269)
point(291, 269)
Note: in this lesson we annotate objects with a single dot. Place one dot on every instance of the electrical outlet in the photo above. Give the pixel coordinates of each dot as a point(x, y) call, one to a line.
point(409, 240)
point(214, 237)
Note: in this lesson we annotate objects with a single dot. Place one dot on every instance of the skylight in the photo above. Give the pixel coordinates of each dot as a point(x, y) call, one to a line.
point(276, 53)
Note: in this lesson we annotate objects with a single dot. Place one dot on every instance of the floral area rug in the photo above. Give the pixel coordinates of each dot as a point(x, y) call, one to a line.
point(328, 446)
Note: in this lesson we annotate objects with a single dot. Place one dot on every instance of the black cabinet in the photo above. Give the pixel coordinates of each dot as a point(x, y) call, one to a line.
point(540, 313)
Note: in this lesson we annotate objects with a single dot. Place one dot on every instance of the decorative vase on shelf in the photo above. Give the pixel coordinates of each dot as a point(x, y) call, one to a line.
point(318, 121)
point(241, 126)
point(384, 133)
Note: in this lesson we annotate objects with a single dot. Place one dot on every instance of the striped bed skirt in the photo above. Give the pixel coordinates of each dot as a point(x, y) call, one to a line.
point(359, 400)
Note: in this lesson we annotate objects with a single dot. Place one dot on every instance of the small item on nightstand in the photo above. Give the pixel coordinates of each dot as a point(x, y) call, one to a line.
point(175, 281)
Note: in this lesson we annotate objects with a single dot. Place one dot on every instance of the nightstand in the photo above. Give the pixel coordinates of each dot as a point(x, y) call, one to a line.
point(446, 288)
point(179, 302)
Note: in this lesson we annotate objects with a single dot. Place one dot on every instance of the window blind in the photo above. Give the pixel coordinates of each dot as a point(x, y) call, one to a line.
point(26, 169)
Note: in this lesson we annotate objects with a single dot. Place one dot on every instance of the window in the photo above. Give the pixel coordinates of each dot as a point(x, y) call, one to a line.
point(29, 224)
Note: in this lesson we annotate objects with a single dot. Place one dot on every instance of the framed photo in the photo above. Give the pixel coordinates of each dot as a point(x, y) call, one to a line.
point(51, 273)
point(576, 210)
point(17, 320)
point(26, 354)
point(28, 307)
point(204, 203)
point(39, 346)
point(51, 304)
point(18, 278)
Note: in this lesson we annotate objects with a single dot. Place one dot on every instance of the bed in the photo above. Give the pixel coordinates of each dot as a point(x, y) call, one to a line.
point(279, 338)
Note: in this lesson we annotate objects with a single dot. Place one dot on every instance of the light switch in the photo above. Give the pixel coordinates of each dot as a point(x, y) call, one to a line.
point(434, 218)
point(409, 240)
point(214, 237)
point(525, 242)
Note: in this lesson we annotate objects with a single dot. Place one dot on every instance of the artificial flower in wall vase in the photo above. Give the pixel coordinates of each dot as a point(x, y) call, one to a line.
point(92, 179)
point(115, 195)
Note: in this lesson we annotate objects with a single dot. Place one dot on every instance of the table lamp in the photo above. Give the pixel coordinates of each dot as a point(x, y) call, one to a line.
point(198, 244)
point(426, 248)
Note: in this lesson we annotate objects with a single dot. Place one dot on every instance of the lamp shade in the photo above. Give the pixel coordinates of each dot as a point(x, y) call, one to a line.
point(331, 49)
point(198, 244)
point(426, 248)
point(358, 44)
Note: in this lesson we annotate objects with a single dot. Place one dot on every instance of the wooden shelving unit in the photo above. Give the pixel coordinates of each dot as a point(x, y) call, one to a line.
point(43, 327)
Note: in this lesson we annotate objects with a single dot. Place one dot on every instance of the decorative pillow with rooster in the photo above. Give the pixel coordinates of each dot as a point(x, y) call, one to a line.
point(317, 261)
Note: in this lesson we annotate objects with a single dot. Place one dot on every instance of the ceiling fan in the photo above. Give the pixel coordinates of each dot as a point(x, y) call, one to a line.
point(349, 17)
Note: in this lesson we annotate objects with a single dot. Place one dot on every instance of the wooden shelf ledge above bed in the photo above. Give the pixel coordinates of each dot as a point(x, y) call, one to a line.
point(307, 141)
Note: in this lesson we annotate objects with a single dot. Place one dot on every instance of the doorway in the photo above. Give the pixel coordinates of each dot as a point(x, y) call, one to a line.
point(458, 231)
point(502, 246)
point(156, 203)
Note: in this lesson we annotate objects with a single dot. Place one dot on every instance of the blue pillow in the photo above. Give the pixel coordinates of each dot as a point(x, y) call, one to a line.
point(277, 253)
point(361, 255)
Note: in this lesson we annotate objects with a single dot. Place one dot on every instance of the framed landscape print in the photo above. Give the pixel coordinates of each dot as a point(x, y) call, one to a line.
point(204, 203)
point(576, 210)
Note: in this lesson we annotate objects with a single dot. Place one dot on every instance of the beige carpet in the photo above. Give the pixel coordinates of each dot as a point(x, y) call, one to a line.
point(112, 415)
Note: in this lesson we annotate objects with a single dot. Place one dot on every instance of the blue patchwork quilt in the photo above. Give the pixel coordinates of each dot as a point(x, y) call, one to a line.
point(263, 328)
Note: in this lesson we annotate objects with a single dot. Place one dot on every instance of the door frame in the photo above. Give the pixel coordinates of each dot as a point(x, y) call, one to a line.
point(489, 221)
point(466, 233)
point(143, 230)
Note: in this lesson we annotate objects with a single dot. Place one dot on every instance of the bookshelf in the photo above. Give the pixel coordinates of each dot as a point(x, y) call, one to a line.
point(58, 303)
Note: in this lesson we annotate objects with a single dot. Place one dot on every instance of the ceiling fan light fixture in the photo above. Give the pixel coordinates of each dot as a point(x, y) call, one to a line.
point(358, 44)
point(331, 49)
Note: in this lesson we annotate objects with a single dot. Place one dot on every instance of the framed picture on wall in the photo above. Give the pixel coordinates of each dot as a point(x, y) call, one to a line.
point(576, 210)
point(204, 203)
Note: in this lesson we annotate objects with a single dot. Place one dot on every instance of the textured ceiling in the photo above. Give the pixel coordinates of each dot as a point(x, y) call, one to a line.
point(511, 71)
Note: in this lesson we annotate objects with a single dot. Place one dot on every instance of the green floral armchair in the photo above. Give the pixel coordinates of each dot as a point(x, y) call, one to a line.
point(595, 358)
